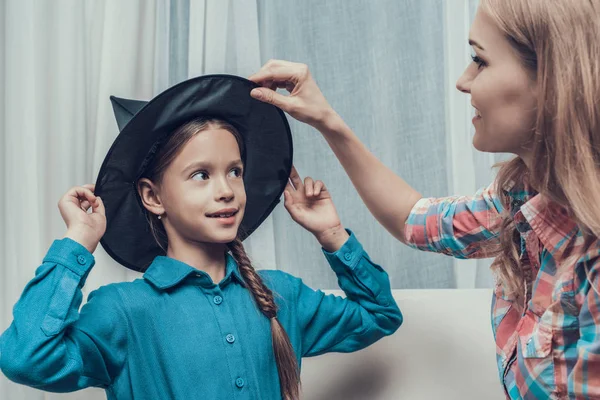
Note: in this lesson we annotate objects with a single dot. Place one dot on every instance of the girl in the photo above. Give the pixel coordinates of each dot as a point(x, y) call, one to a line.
point(202, 323)
point(535, 84)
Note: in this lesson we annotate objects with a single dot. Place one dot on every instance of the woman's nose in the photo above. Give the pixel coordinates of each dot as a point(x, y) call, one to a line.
point(463, 83)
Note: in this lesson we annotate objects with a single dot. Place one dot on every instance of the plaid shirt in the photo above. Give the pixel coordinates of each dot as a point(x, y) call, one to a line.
point(550, 349)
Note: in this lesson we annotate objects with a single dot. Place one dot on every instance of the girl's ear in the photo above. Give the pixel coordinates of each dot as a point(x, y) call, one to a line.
point(150, 196)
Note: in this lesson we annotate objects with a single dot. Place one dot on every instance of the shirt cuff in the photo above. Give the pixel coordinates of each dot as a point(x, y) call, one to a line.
point(349, 254)
point(72, 255)
point(351, 259)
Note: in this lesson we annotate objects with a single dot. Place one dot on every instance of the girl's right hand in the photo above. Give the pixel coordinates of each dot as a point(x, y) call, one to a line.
point(83, 227)
point(305, 103)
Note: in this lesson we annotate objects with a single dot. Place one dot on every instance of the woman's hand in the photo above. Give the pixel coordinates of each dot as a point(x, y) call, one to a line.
point(310, 205)
point(84, 227)
point(305, 103)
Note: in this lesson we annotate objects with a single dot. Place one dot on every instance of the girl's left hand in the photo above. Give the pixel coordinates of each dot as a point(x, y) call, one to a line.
point(310, 205)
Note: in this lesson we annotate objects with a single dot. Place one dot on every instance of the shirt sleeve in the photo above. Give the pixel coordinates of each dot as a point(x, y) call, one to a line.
point(329, 323)
point(458, 226)
point(52, 346)
point(584, 378)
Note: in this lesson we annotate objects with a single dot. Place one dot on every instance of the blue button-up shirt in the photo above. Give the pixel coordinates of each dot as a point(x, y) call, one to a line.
point(176, 335)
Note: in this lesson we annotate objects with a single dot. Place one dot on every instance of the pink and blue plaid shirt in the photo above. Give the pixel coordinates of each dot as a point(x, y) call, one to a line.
point(551, 349)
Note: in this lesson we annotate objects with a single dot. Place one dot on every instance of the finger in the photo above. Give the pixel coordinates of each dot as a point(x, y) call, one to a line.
point(272, 85)
point(90, 186)
point(87, 195)
point(98, 207)
point(288, 201)
point(260, 76)
point(290, 87)
point(295, 178)
point(308, 186)
point(267, 95)
point(78, 194)
point(277, 70)
point(289, 187)
point(319, 186)
point(85, 205)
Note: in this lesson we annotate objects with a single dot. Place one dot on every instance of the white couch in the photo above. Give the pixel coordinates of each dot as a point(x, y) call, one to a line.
point(444, 350)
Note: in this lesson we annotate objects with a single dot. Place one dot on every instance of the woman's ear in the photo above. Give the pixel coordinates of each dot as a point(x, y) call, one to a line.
point(150, 196)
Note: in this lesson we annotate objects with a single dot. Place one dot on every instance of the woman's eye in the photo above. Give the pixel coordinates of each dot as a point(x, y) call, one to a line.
point(477, 60)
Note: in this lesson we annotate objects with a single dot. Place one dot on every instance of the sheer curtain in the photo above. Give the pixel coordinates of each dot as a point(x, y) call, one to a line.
point(61, 60)
point(389, 68)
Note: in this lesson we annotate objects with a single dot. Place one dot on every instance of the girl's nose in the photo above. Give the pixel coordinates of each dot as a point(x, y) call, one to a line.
point(224, 191)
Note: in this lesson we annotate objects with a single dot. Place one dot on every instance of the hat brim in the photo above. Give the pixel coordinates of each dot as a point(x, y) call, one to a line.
point(268, 162)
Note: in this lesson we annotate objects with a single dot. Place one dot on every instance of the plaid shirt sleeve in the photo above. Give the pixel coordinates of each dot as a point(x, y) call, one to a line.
point(458, 226)
point(584, 378)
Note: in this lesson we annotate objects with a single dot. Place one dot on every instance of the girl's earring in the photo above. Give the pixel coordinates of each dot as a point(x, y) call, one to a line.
point(159, 216)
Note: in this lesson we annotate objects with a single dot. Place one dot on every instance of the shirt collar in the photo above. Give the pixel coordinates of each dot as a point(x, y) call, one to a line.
point(166, 272)
point(549, 220)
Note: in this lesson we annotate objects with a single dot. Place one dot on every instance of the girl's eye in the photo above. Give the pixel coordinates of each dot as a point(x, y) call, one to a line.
point(200, 176)
point(477, 60)
point(236, 172)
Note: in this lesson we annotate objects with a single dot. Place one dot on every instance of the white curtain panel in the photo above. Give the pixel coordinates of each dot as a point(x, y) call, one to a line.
point(389, 67)
point(61, 60)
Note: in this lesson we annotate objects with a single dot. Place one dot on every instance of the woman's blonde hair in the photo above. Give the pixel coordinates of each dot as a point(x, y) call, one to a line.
point(557, 41)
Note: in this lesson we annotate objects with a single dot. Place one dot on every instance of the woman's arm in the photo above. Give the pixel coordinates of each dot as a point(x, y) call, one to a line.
point(459, 226)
